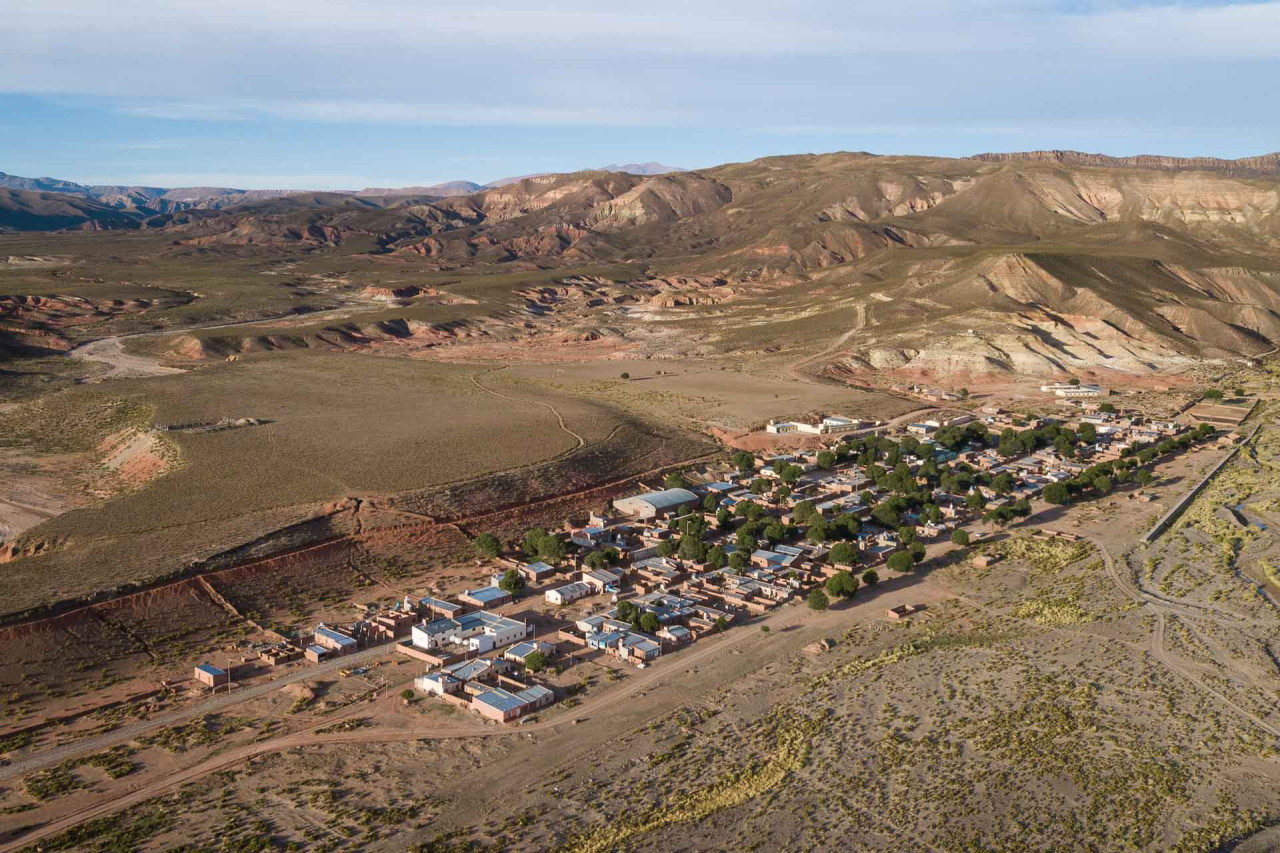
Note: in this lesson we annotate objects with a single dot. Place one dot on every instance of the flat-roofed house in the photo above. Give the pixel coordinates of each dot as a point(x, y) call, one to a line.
point(211, 676)
point(567, 594)
point(602, 580)
point(486, 596)
point(334, 641)
point(537, 572)
point(479, 632)
point(439, 607)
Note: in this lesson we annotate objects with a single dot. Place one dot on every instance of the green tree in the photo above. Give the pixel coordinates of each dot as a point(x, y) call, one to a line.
point(960, 537)
point(1212, 394)
point(675, 480)
point(1107, 408)
point(1002, 484)
point(900, 561)
point(906, 534)
point(774, 532)
point(487, 545)
point(842, 584)
point(818, 531)
point(649, 623)
point(710, 503)
point(627, 611)
point(844, 554)
point(818, 600)
point(964, 393)
point(826, 459)
point(803, 512)
point(886, 516)
point(1239, 392)
point(849, 524)
point(975, 500)
point(1088, 433)
point(1057, 493)
point(723, 517)
point(668, 548)
point(717, 558)
point(760, 486)
point(1102, 485)
point(551, 550)
point(625, 375)
point(596, 560)
point(533, 538)
point(742, 460)
point(1144, 477)
point(870, 577)
point(535, 661)
point(692, 548)
point(512, 581)
point(917, 552)
point(738, 560)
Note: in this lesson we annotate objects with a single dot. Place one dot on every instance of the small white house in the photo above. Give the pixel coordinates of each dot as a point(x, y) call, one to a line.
point(567, 594)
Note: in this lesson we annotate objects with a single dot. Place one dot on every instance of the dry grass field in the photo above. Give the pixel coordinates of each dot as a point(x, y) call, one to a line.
point(336, 426)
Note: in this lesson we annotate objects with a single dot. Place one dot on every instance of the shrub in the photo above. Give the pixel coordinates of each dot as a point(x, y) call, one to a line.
point(818, 600)
point(487, 545)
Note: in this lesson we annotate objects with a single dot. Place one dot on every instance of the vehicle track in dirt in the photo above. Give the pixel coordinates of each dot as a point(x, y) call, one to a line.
point(1163, 608)
point(705, 650)
point(582, 442)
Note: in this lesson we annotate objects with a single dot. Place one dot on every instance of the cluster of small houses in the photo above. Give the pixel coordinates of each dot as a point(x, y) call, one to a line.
point(477, 657)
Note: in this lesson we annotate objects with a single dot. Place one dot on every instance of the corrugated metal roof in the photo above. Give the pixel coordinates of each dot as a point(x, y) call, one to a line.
point(210, 669)
point(501, 699)
point(668, 498)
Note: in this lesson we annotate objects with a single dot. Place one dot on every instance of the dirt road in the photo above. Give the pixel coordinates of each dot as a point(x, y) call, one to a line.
point(1163, 609)
point(110, 351)
point(39, 761)
point(674, 667)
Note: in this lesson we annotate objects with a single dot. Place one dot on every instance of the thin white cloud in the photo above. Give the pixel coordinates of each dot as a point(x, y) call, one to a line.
point(387, 112)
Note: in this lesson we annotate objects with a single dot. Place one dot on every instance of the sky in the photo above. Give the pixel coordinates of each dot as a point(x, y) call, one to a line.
point(322, 94)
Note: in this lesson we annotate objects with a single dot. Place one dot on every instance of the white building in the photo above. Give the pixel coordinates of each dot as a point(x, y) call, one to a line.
point(829, 425)
point(479, 632)
point(567, 594)
point(1071, 392)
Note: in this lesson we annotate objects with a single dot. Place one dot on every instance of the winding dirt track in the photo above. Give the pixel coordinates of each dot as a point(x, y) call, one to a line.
point(1163, 608)
point(582, 442)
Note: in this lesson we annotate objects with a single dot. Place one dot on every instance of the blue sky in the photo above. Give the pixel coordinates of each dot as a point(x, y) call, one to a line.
point(324, 94)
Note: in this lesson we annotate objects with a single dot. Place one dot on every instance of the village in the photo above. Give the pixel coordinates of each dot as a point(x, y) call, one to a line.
point(714, 549)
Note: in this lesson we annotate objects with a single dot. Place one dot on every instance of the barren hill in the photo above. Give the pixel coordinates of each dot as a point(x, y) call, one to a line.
point(1047, 262)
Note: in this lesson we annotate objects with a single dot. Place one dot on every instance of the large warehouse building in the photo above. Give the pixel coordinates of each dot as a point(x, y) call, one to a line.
point(656, 504)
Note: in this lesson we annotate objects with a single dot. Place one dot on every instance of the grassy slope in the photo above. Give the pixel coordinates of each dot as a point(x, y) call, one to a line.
point(343, 425)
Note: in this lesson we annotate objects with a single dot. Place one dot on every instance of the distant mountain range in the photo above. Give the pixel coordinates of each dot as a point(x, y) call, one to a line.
point(1041, 263)
point(152, 201)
